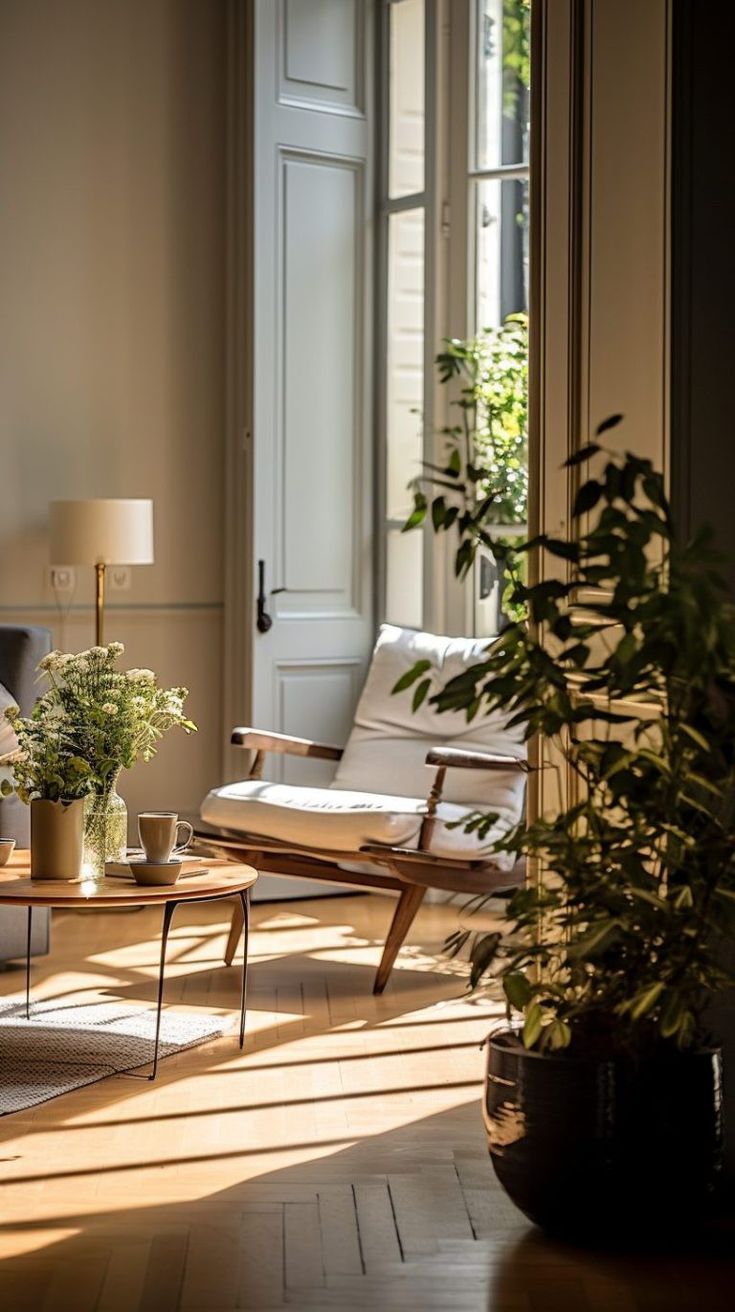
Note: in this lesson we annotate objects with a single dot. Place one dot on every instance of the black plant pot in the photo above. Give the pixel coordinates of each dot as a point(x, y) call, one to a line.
point(594, 1148)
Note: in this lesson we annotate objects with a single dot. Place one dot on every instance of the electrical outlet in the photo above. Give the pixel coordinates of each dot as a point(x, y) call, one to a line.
point(119, 578)
point(62, 578)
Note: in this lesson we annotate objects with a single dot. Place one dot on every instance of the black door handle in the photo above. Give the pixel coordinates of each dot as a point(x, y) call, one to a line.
point(264, 621)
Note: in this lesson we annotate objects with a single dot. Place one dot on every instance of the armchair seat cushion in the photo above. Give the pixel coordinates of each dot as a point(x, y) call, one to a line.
point(342, 820)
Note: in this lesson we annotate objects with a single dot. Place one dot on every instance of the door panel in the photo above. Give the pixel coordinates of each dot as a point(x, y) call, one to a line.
point(310, 692)
point(318, 497)
point(311, 333)
point(321, 46)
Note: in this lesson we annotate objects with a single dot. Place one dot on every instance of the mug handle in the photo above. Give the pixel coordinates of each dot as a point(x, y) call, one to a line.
point(181, 847)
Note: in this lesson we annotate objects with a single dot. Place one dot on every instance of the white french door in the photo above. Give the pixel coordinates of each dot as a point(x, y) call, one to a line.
point(312, 443)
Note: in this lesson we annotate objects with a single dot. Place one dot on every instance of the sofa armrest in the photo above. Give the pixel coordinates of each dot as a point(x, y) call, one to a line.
point(255, 740)
point(21, 648)
point(456, 758)
point(459, 759)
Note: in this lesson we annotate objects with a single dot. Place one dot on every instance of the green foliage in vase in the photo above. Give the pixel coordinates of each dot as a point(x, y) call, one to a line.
point(92, 721)
point(46, 764)
point(483, 483)
point(627, 669)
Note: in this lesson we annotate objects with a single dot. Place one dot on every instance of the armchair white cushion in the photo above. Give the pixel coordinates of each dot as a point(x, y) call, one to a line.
point(379, 793)
point(337, 820)
point(387, 747)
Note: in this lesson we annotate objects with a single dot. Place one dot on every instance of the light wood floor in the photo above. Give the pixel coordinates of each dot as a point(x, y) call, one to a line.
point(338, 1163)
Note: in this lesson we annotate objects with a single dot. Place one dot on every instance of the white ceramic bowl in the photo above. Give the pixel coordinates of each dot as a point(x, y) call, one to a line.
point(156, 872)
point(6, 848)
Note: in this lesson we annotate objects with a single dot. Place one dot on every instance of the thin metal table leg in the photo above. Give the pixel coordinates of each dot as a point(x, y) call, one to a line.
point(168, 912)
point(28, 964)
point(245, 902)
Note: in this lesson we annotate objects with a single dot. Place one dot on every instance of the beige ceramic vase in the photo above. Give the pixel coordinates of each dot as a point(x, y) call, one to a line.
point(57, 839)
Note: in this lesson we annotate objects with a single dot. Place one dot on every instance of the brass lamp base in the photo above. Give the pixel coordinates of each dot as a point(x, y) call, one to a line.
point(99, 570)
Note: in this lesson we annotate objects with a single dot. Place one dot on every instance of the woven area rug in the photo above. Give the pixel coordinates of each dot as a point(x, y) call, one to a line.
point(66, 1045)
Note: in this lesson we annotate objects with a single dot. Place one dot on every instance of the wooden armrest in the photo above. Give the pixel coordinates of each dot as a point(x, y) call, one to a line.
point(445, 758)
point(459, 759)
point(257, 741)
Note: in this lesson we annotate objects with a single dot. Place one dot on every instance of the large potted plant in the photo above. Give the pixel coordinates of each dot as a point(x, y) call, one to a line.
point(603, 1100)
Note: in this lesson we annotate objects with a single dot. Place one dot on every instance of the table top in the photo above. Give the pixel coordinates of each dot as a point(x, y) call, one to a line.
point(223, 879)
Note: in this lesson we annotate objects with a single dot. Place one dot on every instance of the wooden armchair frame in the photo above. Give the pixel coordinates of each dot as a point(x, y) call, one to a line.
point(408, 871)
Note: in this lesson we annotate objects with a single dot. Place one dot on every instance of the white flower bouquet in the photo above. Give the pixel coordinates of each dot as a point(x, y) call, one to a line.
point(93, 721)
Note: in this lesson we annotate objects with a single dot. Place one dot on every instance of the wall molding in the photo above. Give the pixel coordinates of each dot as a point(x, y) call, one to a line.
point(142, 610)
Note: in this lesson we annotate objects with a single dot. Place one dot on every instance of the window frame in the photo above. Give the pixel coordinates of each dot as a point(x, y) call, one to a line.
point(425, 200)
point(447, 200)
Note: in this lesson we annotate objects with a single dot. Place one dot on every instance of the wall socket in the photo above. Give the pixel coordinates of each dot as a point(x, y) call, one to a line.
point(62, 578)
point(119, 578)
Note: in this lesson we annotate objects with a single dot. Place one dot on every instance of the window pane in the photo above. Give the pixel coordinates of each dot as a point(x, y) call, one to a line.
point(405, 358)
point(502, 86)
point(501, 250)
point(406, 98)
point(404, 578)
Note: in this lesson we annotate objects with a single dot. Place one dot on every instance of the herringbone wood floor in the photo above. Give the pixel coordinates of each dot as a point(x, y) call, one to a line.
point(338, 1163)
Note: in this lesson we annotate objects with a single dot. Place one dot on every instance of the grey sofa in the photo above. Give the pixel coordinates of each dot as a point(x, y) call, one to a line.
point(21, 648)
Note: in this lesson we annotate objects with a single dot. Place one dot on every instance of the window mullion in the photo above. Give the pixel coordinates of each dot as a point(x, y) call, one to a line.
point(432, 331)
point(397, 204)
point(502, 173)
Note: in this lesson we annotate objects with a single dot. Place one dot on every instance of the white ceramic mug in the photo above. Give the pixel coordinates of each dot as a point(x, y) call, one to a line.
point(159, 834)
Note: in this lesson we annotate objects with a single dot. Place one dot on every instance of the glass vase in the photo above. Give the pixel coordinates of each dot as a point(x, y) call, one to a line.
point(105, 831)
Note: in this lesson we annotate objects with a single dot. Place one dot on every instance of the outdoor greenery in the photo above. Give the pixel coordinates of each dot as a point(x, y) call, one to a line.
point(92, 721)
point(484, 482)
point(516, 51)
point(620, 946)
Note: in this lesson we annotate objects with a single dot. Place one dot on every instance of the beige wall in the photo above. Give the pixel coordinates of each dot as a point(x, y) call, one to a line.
point(112, 218)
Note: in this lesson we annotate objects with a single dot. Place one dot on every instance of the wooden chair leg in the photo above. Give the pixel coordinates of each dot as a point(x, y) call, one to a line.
point(236, 927)
point(403, 917)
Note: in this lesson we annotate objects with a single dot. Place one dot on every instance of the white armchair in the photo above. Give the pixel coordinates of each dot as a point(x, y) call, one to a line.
point(381, 823)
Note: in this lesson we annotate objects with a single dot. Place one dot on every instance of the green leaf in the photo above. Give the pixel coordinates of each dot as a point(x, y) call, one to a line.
point(438, 512)
point(411, 676)
point(671, 1015)
point(646, 895)
point(533, 1025)
point(592, 940)
point(517, 990)
point(557, 1035)
point(420, 693)
point(418, 514)
point(483, 953)
point(686, 1031)
point(695, 736)
point(644, 1001)
point(706, 784)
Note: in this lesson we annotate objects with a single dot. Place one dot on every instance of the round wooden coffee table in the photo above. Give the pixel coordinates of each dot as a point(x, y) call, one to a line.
point(224, 879)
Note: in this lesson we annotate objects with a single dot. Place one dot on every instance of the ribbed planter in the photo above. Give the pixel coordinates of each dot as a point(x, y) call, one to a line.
point(57, 839)
point(588, 1148)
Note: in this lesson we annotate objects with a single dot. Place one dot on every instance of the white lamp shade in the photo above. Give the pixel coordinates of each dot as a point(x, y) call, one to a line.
point(111, 531)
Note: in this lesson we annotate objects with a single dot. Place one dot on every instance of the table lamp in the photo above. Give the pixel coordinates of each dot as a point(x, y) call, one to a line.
point(108, 531)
